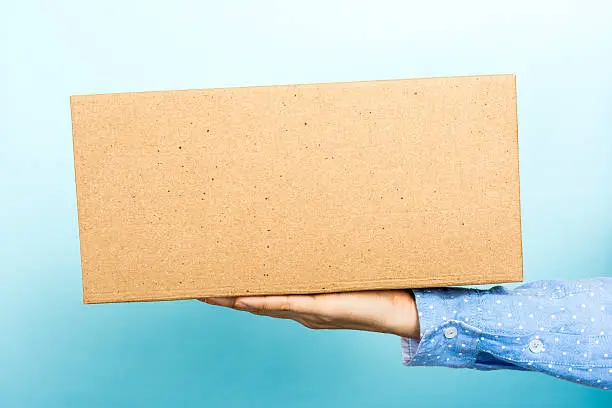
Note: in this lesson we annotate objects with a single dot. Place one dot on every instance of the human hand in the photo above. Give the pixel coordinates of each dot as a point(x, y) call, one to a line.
point(387, 311)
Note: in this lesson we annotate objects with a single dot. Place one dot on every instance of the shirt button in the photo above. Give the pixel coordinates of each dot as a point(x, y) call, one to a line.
point(450, 332)
point(536, 346)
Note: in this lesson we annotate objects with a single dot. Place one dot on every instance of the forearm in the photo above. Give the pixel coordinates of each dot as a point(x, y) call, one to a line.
point(558, 328)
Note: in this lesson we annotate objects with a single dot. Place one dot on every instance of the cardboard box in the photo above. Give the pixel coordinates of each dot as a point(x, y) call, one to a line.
point(298, 189)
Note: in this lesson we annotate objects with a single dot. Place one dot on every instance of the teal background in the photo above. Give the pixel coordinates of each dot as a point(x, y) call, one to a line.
point(57, 352)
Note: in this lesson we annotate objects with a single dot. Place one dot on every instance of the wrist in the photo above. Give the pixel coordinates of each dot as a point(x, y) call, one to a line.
point(405, 320)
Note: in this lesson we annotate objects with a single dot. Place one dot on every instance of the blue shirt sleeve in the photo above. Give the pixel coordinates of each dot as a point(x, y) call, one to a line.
point(561, 328)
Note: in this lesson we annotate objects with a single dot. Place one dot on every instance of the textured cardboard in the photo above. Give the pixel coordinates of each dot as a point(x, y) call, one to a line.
point(298, 189)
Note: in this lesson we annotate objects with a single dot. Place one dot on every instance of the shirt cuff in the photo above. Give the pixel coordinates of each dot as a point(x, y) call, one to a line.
point(409, 349)
point(448, 335)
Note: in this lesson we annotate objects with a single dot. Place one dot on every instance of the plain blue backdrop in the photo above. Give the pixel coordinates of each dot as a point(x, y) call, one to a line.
point(57, 352)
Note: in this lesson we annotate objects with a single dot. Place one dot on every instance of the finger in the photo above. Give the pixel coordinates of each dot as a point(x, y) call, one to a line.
point(275, 315)
point(290, 303)
point(298, 318)
point(220, 301)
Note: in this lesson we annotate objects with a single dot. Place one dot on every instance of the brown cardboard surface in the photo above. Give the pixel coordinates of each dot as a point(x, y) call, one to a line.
point(298, 189)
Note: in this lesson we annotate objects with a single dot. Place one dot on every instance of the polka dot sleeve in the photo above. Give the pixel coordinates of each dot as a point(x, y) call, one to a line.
point(560, 328)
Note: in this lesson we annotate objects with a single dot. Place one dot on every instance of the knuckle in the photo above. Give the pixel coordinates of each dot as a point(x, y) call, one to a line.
point(285, 304)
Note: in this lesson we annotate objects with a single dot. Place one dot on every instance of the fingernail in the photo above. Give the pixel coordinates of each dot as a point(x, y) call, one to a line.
point(213, 300)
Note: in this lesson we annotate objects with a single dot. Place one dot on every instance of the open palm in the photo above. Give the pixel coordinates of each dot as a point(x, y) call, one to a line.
point(387, 311)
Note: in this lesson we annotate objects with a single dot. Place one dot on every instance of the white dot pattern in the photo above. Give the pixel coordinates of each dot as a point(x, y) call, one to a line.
point(555, 327)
